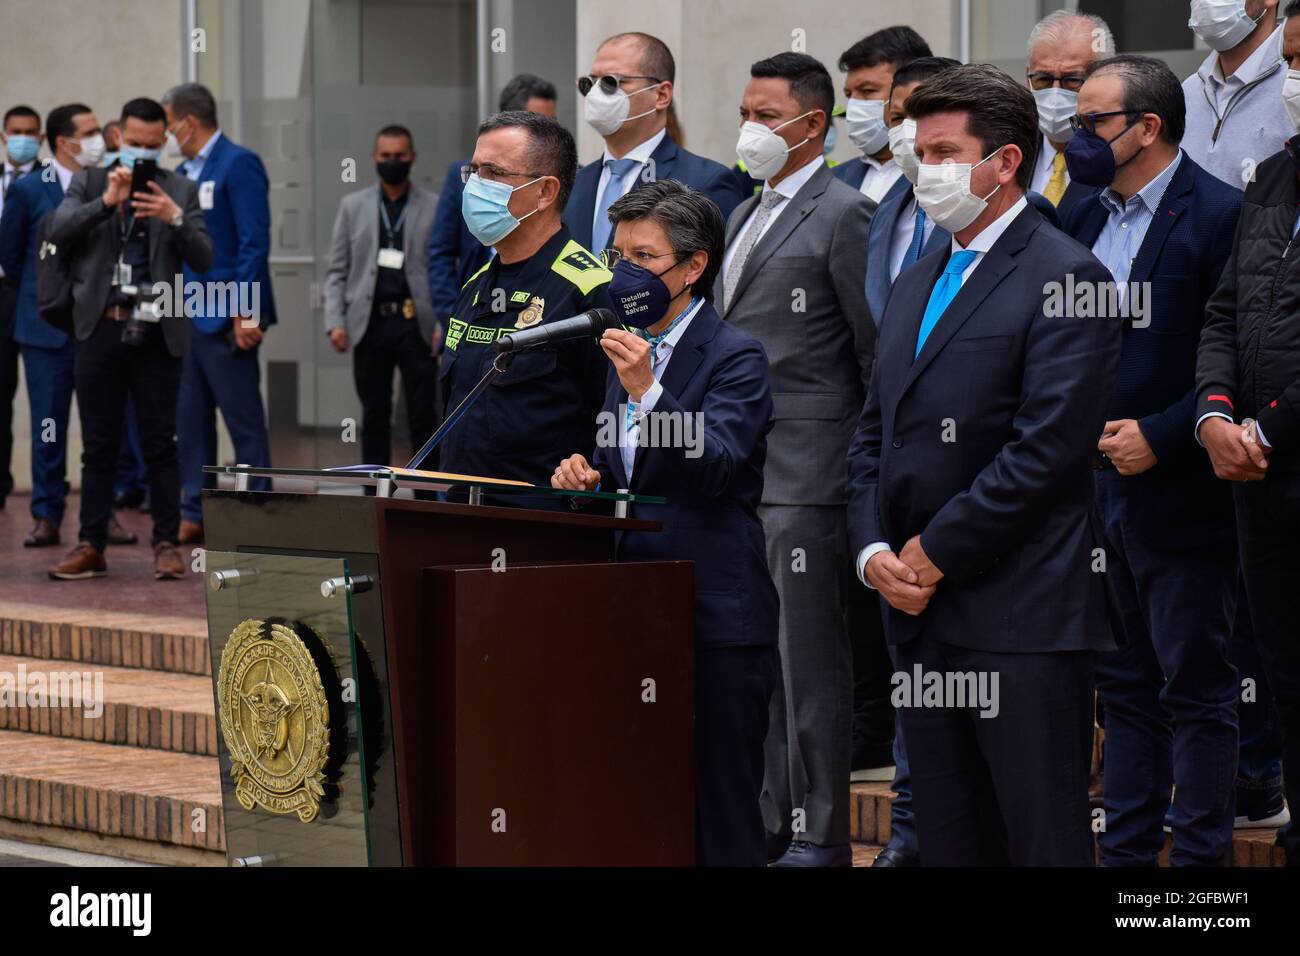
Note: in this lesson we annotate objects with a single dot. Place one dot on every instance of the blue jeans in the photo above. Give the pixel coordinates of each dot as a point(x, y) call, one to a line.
point(49, 393)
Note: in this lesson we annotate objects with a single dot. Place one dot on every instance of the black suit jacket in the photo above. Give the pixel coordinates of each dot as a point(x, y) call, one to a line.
point(1178, 503)
point(90, 229)
point(983, 446)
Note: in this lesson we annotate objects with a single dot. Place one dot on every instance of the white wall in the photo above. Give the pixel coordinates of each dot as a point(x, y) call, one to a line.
point(714, 44)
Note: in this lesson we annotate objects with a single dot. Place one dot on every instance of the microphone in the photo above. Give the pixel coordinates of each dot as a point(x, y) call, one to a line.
point(592, 322)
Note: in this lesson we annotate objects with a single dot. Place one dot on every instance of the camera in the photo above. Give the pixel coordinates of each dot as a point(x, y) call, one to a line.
point(143, 315)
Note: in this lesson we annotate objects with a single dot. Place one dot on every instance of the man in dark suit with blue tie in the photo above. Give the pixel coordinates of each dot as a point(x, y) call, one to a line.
point(626, 99)
point(76, 141)
point(971, 493)
point(688, 374)
point(221, 369)
point(1164, 228)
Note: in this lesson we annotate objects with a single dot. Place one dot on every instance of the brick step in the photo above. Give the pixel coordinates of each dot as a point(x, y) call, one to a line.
point(66, 785)
point(869, 825)
point(864, 854)
point(172, 644)
point(140, 708)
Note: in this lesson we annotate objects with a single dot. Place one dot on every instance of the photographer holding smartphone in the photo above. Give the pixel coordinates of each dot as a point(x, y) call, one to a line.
point(123, 232)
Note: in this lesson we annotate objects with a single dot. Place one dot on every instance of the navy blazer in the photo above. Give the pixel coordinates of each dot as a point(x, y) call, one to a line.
point(1178, 502)
point(852, 171)
point(719, 376)
point(983, 446)
point(880, 241)
point(239, 222)
point(29, 199)
point(670, 162)
point(454, 254)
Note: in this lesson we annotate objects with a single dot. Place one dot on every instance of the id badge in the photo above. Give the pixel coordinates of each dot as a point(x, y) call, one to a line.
point(391, 258)
point(121, 273)
point(205, 194)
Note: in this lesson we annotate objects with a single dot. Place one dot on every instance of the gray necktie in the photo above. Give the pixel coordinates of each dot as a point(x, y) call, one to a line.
point(600, 230)
point(766, 204)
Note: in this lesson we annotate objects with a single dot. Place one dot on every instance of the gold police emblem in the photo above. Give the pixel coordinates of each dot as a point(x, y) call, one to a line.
point(274, 719)
point(532, 314)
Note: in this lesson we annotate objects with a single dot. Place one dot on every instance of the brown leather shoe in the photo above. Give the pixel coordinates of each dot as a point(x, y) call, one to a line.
point(82, 562)
point(119, 535)
point(167, 563)
point(191, 532)
point(43, 535)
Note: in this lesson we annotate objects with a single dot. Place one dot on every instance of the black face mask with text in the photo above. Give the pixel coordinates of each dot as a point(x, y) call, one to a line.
point(393, 171)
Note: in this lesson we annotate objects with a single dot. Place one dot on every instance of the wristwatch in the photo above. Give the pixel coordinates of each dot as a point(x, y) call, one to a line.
point(177, 219)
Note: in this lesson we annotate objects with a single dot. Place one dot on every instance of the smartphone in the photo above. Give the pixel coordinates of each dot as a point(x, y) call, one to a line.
point(143, 172)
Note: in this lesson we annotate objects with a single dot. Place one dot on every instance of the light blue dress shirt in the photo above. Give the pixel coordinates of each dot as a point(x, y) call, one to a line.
point(1126, 226)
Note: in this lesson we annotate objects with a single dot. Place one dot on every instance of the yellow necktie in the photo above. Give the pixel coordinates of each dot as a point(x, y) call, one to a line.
point(1055, 187)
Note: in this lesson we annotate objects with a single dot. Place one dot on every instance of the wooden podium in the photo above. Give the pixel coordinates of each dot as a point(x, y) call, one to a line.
point(499, 691)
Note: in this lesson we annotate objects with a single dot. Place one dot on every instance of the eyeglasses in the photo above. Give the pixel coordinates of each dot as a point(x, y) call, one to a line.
point(491, 172)
point(611, 257)
point(1088, 121)
point(610, 83)
point(1042, 80)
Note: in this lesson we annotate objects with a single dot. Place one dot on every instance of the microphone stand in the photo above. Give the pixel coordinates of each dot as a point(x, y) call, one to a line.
point(499, 365)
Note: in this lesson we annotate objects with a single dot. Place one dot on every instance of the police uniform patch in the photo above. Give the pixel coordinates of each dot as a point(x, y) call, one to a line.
point(531, 315)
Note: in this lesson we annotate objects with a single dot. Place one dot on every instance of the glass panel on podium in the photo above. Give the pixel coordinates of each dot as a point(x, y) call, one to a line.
point(294, 787)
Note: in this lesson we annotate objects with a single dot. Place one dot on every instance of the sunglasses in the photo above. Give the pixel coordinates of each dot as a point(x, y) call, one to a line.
point(610, 83)
point(1088, 121)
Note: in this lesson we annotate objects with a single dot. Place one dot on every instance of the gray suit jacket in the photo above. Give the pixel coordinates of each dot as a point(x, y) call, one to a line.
point(803, 295)
point(354, 252)
point(91, 231)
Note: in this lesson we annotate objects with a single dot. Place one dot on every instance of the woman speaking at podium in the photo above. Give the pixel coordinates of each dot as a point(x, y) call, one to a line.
point(687, 409)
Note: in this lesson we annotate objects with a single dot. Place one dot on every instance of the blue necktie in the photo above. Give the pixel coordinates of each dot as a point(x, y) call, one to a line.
point(600, 228)
point(945, 290)
point(918, 238)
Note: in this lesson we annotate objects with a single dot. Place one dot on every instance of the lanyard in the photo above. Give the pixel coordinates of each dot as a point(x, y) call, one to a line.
point(390, 230)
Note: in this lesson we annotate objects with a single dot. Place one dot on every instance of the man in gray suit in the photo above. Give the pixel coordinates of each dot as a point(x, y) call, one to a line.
point(377, 297)
point(124, 252)
point(794, 277)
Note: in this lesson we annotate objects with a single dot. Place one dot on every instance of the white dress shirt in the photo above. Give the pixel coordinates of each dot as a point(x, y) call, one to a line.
point(980, 245)
point(638, 410)
point(879, 179)
point(193, 168)
point(641, 153)
point(1043, 167)
point(904, 231)
point(7, 178)
point(786, 189)
point(64, 173)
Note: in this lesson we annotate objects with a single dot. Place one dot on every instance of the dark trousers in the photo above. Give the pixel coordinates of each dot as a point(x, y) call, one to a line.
point(132, 476)
point(1259, 761)
point(873, 716)
point(8, 383)
point(733, 690)
point(392, 342)
point(216, 376)
point(1268, 526)
point(49, 374)
point(1010, 789)
point(1169, 694)
point(902, 818)
point(107, 371)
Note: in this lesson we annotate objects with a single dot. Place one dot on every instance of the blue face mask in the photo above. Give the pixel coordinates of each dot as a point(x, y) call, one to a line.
point(22, 148)
point(641, 298)
point(111, 157)
point(486, 208)
point(1090, 159)
point(129, 154)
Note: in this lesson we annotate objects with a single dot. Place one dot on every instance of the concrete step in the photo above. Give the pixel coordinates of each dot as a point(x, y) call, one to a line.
point(132, 706)
point(150, 805)
point(177, 645)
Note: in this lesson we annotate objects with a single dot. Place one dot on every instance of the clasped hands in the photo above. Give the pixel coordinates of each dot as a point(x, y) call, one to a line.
point(905, 580)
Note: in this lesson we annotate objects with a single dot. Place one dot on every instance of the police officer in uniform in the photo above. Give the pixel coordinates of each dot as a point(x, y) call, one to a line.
point(546, 402)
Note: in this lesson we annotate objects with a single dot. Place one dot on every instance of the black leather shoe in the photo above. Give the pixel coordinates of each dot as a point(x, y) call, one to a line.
point(802, 853)
point(892, 857)
point(119, 535)
point(777, 844)
point(43, 535)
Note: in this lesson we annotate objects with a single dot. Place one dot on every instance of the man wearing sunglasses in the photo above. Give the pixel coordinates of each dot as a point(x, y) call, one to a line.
point(1061, 46)
point(1163, 226)
point(626, 98)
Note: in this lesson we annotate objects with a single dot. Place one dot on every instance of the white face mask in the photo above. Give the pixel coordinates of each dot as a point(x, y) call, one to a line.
point(762, 151)
point(943, 191)
point(1291, 96)
point(1222, 24)
point(866, 123)
point(91, 152)
point(902, 143)
point(606, 112)
point(1055, 107)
